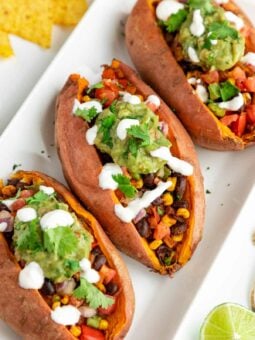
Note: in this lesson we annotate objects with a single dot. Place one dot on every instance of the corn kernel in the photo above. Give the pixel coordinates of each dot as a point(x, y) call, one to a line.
point(86, 98)
point(75, 330)
point(173, 185)
point(56, 298)
point(101, 287)
point(115, 63)
point(178, 238)
point(65, 300)
point(138, 184)
point(155, 244)
point(183, 212)
point(247, 98)
point(232, 81)
point(103, 324)
point(141, 97)
point(168, 199)
point(169, 221)
point(55, 305)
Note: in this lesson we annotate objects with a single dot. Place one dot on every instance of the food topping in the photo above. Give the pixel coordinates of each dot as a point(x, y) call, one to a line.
point(105, 178)
point(210, 43)
point(31, 276)
point(124, 125)
point(66, 315)
point(56, 218)
point(167, 8)
point(91, 135)
point(46, 190)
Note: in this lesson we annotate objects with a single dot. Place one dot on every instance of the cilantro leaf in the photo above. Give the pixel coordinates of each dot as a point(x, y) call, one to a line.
point(132, 147)
point(140, 132)
point(39, 197)
point(113, 107)
point(228, 90)
point(124, 185)
point(222, 30)
point(93, 296)
point(87, 114)
point(60, 241)
point(72, 265)
point(30, 237)
point(105, 127)
point(99, 85)
point(201, 4)
point(175, 21)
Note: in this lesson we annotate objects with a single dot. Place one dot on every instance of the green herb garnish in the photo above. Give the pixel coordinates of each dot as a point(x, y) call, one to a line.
point(105, 127)
point(93, 296)
point(87, 114)
point(37, 198)
point(140, 132)
point(222, 30)
point(201, 4)
point(124, 185)
point(30, 238)
point(175, 21)
point(160, 211)
point(99, 85)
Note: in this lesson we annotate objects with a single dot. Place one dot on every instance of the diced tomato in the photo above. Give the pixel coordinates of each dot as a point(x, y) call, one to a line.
point(107, 95)
point(108, 73)
point(211, 77)
point(227, 120)
point(161, 231)
point(106, 274)
point(18, 204)
point(249, 83)
point(238, 127)
point(250, 109)
point(26, 193)
point(237, 74)
point(89, 333)
point(109, 310)
point(241, 85)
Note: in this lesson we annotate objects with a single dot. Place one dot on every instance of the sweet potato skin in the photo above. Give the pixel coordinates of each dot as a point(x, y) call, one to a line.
point(158, 67)
point(26, 311)
point(82, 165)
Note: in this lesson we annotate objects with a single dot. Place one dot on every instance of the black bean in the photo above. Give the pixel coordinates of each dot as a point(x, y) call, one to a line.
point(158, 201)
point(96, 251)
point(163, 252)
point(148, 181)
point(111, 288)
point(13, 181)
point(99, 261)
point(169, 211)
point(48, 288)
point(3, 207)
point(181, 204)
point(105, 158)
point(178, 228)
point(180, 187)
point(143, 228)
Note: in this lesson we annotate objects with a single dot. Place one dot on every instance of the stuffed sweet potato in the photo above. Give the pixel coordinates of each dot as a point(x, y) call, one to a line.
point(60, 276)
point(199, 56)
point(114, 140)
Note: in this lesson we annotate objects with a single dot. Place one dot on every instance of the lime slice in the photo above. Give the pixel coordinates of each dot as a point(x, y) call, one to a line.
point(229, 322)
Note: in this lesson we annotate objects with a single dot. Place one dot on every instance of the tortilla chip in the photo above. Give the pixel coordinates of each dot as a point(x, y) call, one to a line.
point(68, 12)
point(29, 19)
point(5, 45)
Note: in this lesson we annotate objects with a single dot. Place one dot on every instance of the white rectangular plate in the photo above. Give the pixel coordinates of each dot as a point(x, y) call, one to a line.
point(161, 303)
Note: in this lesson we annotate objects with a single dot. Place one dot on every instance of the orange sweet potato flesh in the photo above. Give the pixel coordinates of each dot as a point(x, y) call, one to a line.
point(155, 62)
point(82, 166)
point(26, 311)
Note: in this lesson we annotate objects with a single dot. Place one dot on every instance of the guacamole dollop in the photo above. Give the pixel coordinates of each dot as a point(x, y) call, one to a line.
point(133, 152)
point(220, 47)
point(57, 250)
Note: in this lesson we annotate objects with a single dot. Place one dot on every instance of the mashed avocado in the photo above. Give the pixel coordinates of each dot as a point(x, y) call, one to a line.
point(134, 151)
point(58, 250)
point(220, 47)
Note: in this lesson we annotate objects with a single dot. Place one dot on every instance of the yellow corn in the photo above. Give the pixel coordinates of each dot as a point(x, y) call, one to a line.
point(101, 287)
point(75, 330)
point(65, 300)
point(232, 81)
point(56, 298)
point(183, 212)
point(56, 305)
point(178, 238)
point(138, 184)
point(115, 63)
point(141, 97)
point(86, 98)
point(169, 221)
point(103, 324)
point(173, 185)
point(247, 98)
point(168, 199)
point(155, 244)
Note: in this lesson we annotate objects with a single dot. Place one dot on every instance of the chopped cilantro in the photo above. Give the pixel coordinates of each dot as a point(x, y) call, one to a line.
point(132, 147)
point(60, 241)
point(124, 185)
point(208, 191)
point(87, 114)
point(201, 4)
point(93, 296)
point(73, 265)
point(222, 30)
point(15, 166)
point(31, 236)
point(113, 108)
point(175, 21)
point(160, 211)
point(39, 197)
point(228, 90)
point(105, 127)
point(140, 132)
point(99, 85)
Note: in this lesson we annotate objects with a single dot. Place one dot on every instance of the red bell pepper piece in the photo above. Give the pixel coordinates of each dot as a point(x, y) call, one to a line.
point(88, 333)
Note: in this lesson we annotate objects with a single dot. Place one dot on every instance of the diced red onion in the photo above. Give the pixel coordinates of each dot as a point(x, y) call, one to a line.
point(87, 312)
point(66, 287)
point(139, 216)
point(6, 217)
point(163, 128)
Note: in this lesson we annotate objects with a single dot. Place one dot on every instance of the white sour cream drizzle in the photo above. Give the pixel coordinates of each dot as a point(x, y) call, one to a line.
point(26, 214)
point(127, 214)
point(31, 276)
point(90, 274)
point(197, 27)
point(87, 105)
point(174, 163)
point(214, 42)
point(130, 98)
point(234, 19)
point(91, 134)
point(202, 93)
point(249, 59)
point(56, 218)
point(192, 81)
point(193, 55)
point(125, 124)
point(3, 226)
point(166, 8)
point(220, 2)
point(47, 190)
point(105, 177)
point(154, 100)
point(234, 104)
point(66, 315)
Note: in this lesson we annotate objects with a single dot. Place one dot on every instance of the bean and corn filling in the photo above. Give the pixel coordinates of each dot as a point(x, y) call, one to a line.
point(213, 46)
point(126, 154)
point(59, 256)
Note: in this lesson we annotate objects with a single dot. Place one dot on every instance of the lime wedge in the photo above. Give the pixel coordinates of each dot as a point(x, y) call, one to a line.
point(229, 321)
